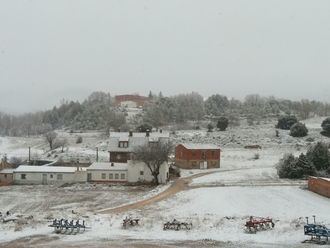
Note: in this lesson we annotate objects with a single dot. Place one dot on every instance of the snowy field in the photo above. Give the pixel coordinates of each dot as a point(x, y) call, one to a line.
point(218, 204)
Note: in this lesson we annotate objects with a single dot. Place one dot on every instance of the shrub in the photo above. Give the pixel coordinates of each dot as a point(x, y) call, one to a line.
point(326, 127)
point(222, 123)
point(250, 120)
point(298, 130)
point(295, 168)
point(286, 122)
point(79, 140)
point(319, 156)
point(144, 128)
point(210, 127)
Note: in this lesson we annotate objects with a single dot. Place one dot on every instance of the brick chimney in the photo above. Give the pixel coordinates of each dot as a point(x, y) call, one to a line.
point(130, 134)
point(147, 133)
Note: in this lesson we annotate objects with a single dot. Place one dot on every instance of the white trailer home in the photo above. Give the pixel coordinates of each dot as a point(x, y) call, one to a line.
point(27, 174)
point(130, 172)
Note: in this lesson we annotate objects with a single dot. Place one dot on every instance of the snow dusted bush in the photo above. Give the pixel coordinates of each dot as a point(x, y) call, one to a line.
point(298, 130)
point(294, 168)
point(326, 127)
point(286, 122)
point(319, 156)
point(210, 127)
point(222, 123)
point(79, 140)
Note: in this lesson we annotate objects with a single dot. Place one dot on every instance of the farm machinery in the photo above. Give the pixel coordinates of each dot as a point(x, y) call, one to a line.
point(129, 221)
point(255, 224)
point(319, 233)
point(68, 227)
point(177, 225)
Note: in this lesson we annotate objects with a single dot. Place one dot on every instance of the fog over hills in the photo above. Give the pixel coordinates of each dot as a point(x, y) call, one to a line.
point(50, 50)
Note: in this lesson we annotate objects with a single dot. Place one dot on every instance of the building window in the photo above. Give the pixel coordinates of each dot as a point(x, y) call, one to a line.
point(141, 173)
point(23, 176)
point(59, 176)
point(110, 176)
point(51, 176)
point(116, 176)
point(123, 144)
point(122, 176)
point(103, 176)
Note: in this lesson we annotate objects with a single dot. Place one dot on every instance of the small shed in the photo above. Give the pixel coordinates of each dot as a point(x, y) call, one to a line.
point(27, 174)
point(6, 177)
point(319, 185)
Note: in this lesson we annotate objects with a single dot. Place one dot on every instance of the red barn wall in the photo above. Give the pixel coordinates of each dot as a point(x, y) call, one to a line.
point(319, 186)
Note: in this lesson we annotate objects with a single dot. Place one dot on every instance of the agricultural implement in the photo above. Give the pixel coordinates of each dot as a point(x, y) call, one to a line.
point(319, 233)
point(177, 225)
point(68, 227)
point(255, 224)
point(129, 221)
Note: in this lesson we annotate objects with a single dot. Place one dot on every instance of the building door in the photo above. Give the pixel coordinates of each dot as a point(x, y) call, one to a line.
point(203, 165)
point(89, 177)
point(44, 179)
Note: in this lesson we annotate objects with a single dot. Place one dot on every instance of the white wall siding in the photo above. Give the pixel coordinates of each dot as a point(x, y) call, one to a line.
point(49, 178)
point(135, 169)
point(110, 175)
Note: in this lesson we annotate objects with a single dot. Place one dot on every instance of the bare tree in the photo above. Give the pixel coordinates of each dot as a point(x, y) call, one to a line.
point(50, 137)
point(61, 142)
point(154, 156)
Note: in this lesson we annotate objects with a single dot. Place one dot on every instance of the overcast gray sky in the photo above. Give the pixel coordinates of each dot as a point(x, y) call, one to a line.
point(50, 50)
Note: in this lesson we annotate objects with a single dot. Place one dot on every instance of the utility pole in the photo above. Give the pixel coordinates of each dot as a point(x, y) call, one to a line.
point(29, 154)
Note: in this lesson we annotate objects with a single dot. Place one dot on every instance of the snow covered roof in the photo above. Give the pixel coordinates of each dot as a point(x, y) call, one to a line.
point(195, 146)
point(140, 134)
point(6, 171)
point(324, 178)
point(107, 166)
point(45, 169)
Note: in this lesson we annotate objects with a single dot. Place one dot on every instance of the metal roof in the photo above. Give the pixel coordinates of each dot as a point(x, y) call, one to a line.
point(45, 169)
point(141, 134)
point(107, 166)
point(196, 146)
point(7, 171)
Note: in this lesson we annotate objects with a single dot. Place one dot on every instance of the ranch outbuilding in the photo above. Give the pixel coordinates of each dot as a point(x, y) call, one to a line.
point(319, 185)
point(197, 156)
point(27, 174)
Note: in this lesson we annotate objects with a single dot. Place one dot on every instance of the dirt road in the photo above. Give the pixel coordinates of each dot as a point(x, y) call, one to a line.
point(177, 186)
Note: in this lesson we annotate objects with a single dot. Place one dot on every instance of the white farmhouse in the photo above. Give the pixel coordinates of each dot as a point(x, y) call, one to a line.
point(107, 172)
point(130, 172)
point(27, 174)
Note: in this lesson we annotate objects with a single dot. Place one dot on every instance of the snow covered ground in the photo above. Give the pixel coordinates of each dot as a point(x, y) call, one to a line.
point(218, 204)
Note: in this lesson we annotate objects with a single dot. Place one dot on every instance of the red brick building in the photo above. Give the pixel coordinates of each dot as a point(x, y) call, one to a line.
point(197, 156)
point(134, 101)
point(319, 185)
